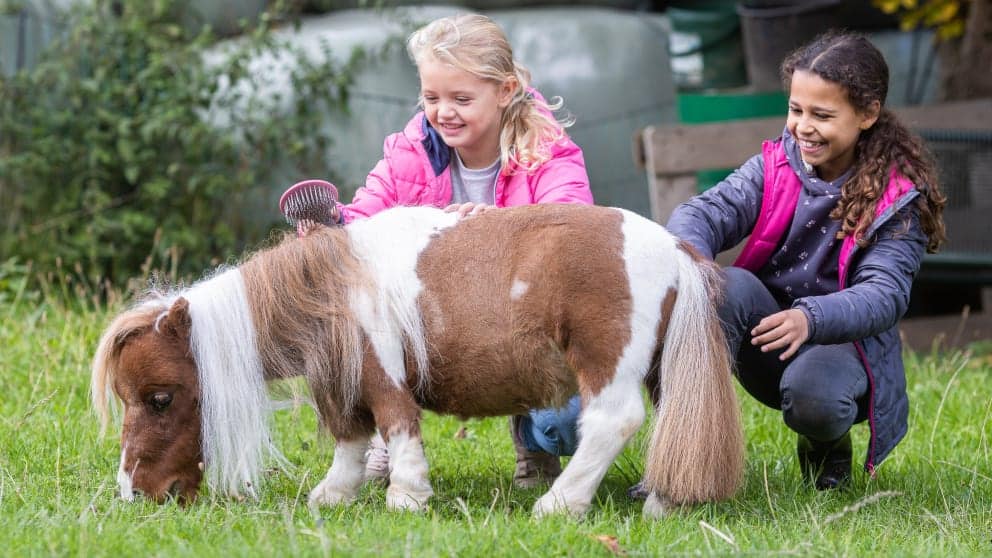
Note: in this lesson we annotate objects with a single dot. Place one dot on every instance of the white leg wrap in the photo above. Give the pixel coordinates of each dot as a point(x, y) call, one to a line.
point(409, 487)
point(345, 476)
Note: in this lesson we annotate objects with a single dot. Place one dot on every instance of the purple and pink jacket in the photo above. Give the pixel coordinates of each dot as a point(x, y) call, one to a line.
point(758, 201)
point(415, 170)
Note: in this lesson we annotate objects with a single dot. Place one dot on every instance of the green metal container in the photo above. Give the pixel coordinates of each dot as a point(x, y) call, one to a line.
point(699, 108)
point(705, 45)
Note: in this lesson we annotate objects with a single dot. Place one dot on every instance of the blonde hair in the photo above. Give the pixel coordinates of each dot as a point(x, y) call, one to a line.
point(476, 44)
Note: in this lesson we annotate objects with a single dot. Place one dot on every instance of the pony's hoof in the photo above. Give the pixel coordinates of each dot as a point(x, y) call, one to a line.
point(405, 500)
point(553, 504)
point(656, 507)
point(326, 495)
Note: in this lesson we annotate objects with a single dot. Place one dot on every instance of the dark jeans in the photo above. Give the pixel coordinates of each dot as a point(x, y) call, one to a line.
point(822, 390)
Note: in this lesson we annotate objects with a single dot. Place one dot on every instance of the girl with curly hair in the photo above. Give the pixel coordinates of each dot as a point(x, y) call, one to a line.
point(838, 212)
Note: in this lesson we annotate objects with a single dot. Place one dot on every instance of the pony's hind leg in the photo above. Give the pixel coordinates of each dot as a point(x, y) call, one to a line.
point(345, 476)
point(608, 420)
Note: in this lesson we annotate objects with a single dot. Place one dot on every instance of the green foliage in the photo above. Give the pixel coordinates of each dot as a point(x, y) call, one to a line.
point(110, 157)
point(945, 16)
point(13, 280)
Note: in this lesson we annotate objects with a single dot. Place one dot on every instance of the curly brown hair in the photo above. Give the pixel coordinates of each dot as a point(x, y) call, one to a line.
point(852, 61)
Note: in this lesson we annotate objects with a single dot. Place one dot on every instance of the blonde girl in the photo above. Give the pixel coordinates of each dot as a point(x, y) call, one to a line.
point(484, 138)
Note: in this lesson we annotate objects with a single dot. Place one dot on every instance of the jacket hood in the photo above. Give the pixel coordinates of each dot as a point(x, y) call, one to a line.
point(438, 152)
point(419, 132)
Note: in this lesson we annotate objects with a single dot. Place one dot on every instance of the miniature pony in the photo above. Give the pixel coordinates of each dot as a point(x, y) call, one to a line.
point(414, 309)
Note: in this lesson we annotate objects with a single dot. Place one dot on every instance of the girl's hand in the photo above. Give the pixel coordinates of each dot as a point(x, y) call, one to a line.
point(333, 218)
point(787, 328)
point(468, 208)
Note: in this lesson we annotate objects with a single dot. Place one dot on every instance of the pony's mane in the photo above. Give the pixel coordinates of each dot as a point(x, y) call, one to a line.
point(141, 316)
point(285, 311)
point(234, 401)
point(300, 292)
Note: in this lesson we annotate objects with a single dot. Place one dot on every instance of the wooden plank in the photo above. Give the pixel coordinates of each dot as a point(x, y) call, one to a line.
point(637, 144)
point(975, 114)
point(679, 149)
point(667, 192)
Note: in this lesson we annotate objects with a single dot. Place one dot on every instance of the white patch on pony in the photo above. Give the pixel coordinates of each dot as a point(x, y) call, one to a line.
point(518, 289)
point(124, 478)
point(389, 244)
point(611, 417)
point(234, 401)
point(409, 487)
point(650, 277)
point(345, 476)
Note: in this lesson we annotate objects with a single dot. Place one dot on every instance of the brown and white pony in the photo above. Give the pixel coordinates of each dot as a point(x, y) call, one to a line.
point(414, 309)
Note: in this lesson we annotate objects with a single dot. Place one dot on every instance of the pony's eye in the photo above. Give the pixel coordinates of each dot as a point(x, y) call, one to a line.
point(160, 401)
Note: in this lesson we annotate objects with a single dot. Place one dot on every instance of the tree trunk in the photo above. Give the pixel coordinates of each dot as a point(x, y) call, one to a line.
point(966, 60)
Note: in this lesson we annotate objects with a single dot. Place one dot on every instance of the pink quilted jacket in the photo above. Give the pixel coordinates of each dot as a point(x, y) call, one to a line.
point(415, 170)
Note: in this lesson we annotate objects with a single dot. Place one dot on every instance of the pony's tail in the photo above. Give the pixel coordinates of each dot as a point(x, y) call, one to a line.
point(697, 447)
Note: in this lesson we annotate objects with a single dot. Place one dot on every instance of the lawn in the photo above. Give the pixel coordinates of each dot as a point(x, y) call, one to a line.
point(932, 497)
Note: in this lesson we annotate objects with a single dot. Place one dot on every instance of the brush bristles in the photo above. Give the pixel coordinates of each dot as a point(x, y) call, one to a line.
point(309, 204)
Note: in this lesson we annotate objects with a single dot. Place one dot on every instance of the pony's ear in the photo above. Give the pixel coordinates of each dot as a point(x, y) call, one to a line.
point(178, 322)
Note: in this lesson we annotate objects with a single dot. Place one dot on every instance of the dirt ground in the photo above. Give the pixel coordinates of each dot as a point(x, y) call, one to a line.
point(946, 331)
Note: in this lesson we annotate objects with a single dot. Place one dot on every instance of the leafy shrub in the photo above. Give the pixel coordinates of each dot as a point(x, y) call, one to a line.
point(108, 160)
point(13, 280)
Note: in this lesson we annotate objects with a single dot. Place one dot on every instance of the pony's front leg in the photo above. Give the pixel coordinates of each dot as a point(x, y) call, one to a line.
point(345, 476)
point(409, 486)
point(608, 421)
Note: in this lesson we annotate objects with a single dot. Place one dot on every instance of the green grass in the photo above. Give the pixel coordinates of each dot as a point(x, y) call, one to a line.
point(932, 497)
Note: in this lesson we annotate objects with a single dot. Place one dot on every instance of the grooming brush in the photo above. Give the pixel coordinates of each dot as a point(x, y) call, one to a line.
point(307, 203)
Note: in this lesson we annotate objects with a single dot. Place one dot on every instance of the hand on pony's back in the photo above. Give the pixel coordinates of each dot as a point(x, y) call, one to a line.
point(468, 209)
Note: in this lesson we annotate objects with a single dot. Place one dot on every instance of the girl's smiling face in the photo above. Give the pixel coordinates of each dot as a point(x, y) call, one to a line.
point(465, 110)
point(825, 123)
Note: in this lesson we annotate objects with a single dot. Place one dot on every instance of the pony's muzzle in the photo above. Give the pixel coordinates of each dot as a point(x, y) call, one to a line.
point(128, 495)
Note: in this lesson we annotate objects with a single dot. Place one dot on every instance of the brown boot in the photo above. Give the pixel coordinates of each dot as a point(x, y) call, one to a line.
point(825, 465)
point(533, 467)
point(638, 492)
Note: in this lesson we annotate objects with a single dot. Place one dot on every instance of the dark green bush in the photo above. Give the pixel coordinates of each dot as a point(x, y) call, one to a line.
point(107, 161)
